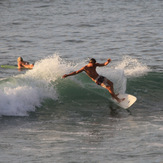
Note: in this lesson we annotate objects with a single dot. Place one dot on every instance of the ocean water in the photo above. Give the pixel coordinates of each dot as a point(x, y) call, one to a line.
point(44, 118)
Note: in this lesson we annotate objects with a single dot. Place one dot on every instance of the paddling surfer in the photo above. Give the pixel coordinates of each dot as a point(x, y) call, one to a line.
point(90, 70)
point(23, 64)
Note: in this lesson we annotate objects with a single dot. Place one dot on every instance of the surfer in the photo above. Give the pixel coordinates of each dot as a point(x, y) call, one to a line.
point(90, 70)
point(23, 64)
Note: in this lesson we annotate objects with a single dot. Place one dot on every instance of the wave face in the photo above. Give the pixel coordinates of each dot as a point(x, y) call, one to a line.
point(43, 86)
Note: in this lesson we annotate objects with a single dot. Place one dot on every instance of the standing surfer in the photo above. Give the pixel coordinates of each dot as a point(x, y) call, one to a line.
point(90, 70)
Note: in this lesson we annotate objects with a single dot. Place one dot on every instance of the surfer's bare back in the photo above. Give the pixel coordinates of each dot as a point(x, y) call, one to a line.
point(90, 70)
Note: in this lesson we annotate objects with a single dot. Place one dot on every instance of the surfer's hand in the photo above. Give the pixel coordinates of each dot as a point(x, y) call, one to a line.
point(64, 76)
point(109, 60)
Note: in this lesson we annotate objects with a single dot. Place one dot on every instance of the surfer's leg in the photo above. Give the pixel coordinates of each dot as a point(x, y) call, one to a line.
point(112, 93)
point(109, 87)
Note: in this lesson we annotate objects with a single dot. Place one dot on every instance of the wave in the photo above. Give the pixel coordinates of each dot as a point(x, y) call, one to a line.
point(23, 93)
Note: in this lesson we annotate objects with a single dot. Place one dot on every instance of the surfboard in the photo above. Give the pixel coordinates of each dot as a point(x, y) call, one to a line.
point(9, 66)
point(128, 102)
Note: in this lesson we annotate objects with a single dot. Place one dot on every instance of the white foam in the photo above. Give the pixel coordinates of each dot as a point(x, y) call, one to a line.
point(18, 101)
point(48, 69)
point(132, 67)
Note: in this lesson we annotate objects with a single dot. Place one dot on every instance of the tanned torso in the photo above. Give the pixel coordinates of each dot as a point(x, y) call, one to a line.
point(90, 69)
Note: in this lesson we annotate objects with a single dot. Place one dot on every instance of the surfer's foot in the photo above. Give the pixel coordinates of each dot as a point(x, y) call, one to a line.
point(120, 100)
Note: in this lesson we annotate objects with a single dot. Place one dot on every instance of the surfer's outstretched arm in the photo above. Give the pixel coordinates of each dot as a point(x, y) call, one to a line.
point(103, 64)
point(73, 73)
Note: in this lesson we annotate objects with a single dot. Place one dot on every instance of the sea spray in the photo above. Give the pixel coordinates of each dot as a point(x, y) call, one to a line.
point(47, 69)
point(132, 67)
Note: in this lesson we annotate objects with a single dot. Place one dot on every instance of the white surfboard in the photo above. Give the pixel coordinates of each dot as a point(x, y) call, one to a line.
point(129, 100)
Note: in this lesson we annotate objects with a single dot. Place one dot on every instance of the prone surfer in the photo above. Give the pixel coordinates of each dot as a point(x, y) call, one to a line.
point(23, 64)
point(90, 70)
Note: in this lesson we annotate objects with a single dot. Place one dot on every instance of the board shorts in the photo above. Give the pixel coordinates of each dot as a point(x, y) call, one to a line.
point(101, 80)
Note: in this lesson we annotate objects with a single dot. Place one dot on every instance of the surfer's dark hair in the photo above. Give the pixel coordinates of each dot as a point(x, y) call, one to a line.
point(20, 59)
point(92, 60)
